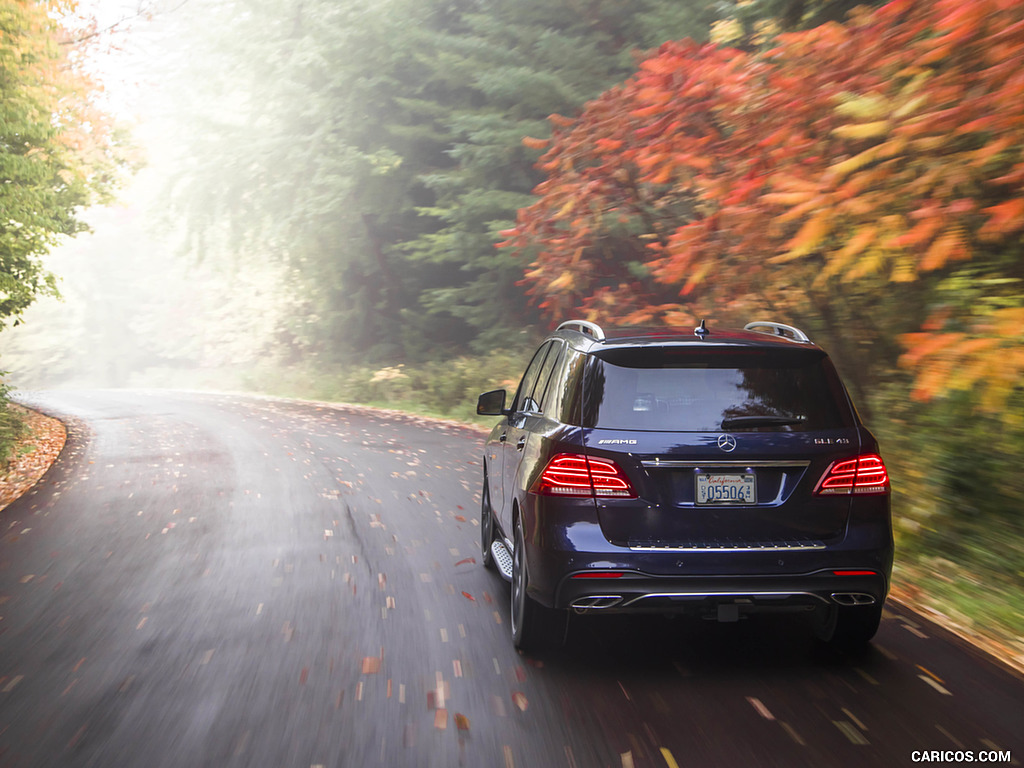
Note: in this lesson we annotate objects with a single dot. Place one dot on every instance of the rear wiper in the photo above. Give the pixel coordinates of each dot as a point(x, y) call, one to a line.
point(759, 421)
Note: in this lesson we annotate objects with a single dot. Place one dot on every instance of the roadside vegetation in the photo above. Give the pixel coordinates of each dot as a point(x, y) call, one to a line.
point(12, 426)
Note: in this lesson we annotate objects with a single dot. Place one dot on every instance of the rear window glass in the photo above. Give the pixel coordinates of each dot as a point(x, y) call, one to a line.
point(679, 389)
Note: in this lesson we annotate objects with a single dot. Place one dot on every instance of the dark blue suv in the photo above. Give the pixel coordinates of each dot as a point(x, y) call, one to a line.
point(707, 472)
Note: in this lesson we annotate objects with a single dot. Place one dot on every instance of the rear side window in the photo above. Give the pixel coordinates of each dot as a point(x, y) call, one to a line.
point(525, 396)
point(680, 389)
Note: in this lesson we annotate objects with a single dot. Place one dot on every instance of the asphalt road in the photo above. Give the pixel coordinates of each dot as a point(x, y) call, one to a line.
point(208, 580)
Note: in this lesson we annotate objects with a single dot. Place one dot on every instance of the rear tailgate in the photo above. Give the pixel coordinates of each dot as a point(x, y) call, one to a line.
point(695, 495)
point(724, 442)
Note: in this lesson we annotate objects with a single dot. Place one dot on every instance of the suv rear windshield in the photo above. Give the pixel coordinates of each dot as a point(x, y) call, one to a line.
point(680, 389)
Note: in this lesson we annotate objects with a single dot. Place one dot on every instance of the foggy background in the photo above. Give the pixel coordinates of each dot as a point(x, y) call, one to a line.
point(139, 307)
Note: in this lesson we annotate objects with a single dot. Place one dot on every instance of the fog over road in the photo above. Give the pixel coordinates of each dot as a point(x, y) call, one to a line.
point(214, 580)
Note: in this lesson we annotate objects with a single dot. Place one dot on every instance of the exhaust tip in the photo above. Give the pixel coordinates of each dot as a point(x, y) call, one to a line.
point(595, 602)
point(853, 598)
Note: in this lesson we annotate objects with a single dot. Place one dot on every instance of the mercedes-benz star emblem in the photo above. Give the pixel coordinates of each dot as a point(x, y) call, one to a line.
point(727, 443)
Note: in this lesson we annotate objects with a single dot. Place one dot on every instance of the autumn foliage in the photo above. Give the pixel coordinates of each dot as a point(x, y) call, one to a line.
point(876, 155)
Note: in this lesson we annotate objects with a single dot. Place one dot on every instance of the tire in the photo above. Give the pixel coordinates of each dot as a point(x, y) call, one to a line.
point(848, 628)
point(534, 626)
point(486, 527)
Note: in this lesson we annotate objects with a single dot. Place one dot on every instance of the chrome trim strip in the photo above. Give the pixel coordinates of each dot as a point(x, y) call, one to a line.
point(727, 593)
point(682, 464)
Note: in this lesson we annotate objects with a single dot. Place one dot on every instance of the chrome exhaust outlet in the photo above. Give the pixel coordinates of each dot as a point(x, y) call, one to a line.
point(502, 558)
point(853, 598)
point(595, 602)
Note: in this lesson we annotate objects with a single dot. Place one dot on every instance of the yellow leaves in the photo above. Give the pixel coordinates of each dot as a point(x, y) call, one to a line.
point(862, 106)
point(861, 239)
point(563, 282)
point(807, 239)
point(910, 106)
point(862, 130)
point(842, 169)
point(566, 209)
point(698, 275)
point(903, 271)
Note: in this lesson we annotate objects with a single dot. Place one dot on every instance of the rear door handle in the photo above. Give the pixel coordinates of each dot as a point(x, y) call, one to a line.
point(521, 444)
point(503, 438)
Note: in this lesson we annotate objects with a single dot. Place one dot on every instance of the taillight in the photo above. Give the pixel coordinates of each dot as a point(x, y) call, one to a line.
point(863, 475)
point(569, 474)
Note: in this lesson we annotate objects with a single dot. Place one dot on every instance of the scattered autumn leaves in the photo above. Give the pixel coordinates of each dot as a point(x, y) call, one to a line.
point(32, 455)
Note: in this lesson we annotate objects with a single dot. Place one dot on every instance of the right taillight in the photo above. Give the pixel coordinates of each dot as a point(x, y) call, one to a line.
point(570, 474)
point(863, 475)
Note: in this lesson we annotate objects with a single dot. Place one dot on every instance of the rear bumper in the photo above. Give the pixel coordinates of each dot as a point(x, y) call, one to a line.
point(855, 570)
point(639, 592)
point(566, 552)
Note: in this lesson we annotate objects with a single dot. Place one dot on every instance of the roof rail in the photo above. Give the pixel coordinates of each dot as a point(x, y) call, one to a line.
point(779, 330)
point(583, 326)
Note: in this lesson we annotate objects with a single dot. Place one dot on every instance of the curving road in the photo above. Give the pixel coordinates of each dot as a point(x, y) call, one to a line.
point(210, 580)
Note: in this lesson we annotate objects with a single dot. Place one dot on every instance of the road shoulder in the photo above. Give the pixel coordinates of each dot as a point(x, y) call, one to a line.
point(32, 456)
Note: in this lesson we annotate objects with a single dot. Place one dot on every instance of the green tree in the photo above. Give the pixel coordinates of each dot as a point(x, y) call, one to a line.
point(376, 149)
point(518, 62)
point(55, 148)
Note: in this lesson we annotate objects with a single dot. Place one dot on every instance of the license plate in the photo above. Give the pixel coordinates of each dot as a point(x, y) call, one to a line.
point(726, 489)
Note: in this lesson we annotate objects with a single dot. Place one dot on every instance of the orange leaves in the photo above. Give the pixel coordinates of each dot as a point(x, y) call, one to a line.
point(533, 143)
point(946, 247)
point(1004, 219)
point(989, 360)
point(807, 239)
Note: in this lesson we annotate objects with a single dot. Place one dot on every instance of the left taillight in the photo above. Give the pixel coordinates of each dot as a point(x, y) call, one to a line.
point(572, 474)
point(860, 476)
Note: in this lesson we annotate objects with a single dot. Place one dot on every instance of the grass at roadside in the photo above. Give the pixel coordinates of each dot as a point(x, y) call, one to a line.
point(446, 389)
point(12, 427)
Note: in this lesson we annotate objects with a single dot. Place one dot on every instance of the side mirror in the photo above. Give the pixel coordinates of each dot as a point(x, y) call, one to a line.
point(492, 403)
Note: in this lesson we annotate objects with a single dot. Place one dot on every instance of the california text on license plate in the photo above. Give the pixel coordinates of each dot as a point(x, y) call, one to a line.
point(726, 489)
